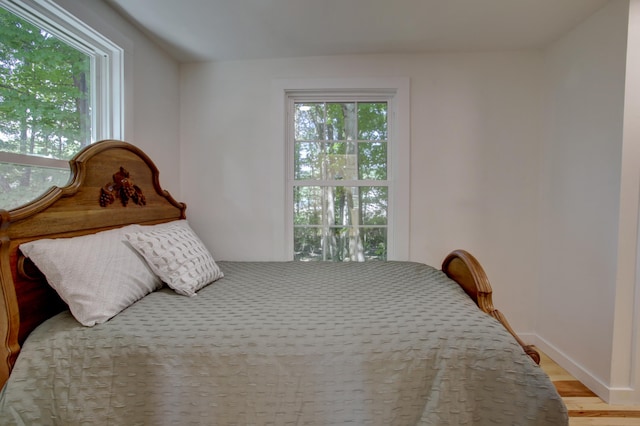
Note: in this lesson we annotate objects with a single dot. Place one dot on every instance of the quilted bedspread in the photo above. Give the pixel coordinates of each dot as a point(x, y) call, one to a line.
point(286, 343)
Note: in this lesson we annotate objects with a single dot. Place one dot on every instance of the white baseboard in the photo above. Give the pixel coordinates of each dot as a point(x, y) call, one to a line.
point(611, 395)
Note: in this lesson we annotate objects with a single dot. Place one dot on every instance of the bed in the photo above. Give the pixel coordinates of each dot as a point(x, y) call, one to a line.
point(204, 341)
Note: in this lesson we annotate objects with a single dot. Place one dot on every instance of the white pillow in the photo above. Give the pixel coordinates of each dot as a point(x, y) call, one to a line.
point(97, 275)
point(176, 254)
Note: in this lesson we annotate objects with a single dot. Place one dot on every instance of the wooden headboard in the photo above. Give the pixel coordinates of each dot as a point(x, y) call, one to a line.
point(112, 184)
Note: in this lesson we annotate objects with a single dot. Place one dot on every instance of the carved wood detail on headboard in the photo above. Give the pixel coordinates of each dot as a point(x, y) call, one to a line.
point(123, 188)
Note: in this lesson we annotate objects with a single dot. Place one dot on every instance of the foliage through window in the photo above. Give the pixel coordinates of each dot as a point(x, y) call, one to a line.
point(48, 96)
point(340, 188)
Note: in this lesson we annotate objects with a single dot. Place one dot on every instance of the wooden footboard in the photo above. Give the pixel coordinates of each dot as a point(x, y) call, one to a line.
point(465, 269)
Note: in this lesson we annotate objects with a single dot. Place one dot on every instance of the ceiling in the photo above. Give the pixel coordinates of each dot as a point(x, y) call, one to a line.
point(209, 30)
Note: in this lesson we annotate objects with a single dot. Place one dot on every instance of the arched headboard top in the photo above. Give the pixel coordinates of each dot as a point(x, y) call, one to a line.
point(77, 206)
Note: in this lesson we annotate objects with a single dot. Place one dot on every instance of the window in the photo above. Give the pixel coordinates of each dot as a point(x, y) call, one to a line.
point(347, 174)
point(340, 187)
point(60, 90)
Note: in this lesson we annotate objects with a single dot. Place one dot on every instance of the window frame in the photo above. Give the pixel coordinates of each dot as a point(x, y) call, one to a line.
point(107, 71)
point(396, 92)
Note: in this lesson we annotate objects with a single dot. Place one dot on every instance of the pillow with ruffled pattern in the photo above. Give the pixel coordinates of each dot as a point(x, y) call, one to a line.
point(176, 254)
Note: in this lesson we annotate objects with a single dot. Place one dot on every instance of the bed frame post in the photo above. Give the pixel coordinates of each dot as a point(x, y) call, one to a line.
point(465, 269)
point(9, 316)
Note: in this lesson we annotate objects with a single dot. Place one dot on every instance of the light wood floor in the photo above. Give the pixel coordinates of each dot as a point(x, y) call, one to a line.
point(585, 408)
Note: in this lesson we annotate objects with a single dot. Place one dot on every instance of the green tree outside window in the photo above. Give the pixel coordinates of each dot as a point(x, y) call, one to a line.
point(45, 108)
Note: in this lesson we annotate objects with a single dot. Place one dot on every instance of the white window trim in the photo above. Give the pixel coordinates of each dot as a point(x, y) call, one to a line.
point(108, 90)
point(398, 153)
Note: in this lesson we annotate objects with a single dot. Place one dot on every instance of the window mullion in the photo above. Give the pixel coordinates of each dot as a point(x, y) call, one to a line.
point(33, 160)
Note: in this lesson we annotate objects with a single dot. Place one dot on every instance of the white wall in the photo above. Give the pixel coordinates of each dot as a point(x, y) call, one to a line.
point(515, 156)
point(580, 194)
point(475, 124)
point(625, 363)
point(518, 178)
point(151, 88)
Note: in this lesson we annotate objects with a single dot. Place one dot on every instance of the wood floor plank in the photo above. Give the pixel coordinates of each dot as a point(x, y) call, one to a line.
point(567, 388)
point(603, 421)
point(604, 413)
point(585, 407)
point(595, 404)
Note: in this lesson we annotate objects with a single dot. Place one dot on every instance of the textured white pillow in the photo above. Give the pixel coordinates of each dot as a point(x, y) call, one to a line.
point(176, 254)
point(97, 275)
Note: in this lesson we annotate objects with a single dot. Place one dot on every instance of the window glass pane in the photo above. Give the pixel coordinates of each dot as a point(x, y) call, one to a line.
point(374, 201)
point(372, 121)
point(375, 243)
point(336, 244)
point(20, 184)
point(339, 161)
point(309, 121)
point(346, 205)
point(307, 243)
point(307, 205)
point(372, 160)
point(341, 121)
point(307, 164)
point(325, 160)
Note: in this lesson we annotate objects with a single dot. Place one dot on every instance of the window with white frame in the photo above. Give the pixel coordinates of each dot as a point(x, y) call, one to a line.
point(345, 189)
point(60, 90)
